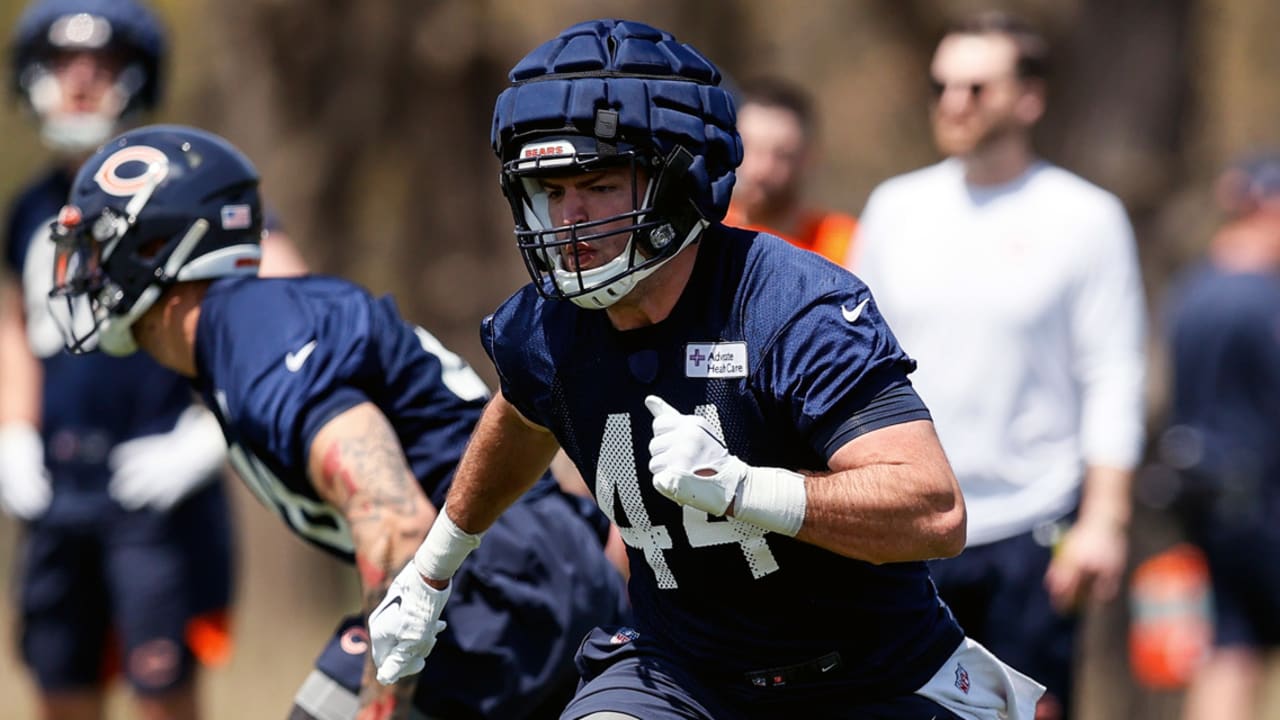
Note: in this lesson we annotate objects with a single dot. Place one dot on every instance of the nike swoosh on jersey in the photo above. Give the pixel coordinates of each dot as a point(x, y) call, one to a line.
point(294, 360)
point(852, 315)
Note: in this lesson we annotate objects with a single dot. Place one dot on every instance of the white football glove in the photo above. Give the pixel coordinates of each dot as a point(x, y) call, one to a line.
point(25, 486)
point(160, 470)
point(691, 465)
point(689, 462)
point(403, 627)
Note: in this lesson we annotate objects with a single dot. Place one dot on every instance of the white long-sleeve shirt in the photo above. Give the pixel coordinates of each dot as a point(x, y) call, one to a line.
point(1023, 305)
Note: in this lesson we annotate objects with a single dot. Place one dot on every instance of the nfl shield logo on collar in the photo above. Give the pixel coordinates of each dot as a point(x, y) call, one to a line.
point(624, 635)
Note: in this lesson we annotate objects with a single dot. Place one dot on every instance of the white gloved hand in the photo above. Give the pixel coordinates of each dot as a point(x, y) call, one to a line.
point(160, 470)
point(25, 486)
point(689, 462)
point(403, 627)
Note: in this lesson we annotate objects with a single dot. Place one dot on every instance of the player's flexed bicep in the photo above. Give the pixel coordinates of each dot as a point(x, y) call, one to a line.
point(891, 497)
point(357, 465)
point(838, 376)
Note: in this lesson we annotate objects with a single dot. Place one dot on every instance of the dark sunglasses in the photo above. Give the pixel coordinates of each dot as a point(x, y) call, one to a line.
point(937, 88)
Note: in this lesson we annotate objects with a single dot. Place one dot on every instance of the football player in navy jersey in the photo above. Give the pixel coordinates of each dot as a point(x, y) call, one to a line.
point(341, 417)
point(737, 405)
point(112, 465)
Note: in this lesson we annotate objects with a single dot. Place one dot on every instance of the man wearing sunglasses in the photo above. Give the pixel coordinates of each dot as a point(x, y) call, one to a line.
point(1015, 284)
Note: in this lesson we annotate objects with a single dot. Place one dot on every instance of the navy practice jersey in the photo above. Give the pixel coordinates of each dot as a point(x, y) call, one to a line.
point(278, 358)
point(90, 402)
point(787, 356)
point(1225, 336)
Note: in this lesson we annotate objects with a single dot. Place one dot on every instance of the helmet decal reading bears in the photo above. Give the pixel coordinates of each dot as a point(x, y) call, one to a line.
point(155, 206)
point(614, 93)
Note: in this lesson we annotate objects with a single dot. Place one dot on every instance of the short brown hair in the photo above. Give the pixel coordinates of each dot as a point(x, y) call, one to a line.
point(773, 91)
point(1032, 48)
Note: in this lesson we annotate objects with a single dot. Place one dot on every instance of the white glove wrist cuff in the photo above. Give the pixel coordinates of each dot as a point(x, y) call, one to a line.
point(446, 546)
point(772, 498)
point(18, 431)
point(21, 445)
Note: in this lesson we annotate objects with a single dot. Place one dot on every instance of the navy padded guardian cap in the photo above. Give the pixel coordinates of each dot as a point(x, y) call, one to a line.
point(665, 93)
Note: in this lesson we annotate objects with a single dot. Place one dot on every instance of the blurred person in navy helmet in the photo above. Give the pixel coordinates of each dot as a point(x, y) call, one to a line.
point(1223, 334)
point(126, 555)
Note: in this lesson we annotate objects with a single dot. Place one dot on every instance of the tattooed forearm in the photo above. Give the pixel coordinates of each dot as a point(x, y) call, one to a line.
point(368, 476)
point(365, 471)
point(358, 466)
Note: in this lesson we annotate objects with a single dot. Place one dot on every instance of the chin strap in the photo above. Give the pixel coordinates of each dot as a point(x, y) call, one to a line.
point(612, 292)
point(672, 201)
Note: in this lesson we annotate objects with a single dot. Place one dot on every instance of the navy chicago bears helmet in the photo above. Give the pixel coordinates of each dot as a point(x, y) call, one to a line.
point(155, 206)
point(610, 93)
point(124, 29)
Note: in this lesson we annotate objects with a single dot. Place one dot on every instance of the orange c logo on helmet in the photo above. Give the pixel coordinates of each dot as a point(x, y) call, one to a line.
point(108, 175)
point(355, 641)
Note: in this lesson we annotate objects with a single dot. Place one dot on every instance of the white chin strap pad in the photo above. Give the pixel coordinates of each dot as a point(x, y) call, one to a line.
point(116, 338)
point(608, 291)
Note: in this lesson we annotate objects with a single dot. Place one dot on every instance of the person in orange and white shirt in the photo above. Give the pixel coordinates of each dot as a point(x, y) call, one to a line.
point(775, 119)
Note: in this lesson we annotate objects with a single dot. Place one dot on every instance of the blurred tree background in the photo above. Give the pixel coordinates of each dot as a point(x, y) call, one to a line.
point(370, 124)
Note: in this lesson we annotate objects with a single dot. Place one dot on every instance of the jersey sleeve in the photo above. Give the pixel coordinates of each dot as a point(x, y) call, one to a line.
point(519, 356)
point(291, 370)
point(838, 371)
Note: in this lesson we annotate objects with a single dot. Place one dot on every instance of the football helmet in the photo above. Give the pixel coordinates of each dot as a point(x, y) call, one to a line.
point(155, 206)
point(124, 29)
point(611, 93)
